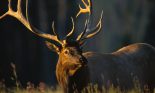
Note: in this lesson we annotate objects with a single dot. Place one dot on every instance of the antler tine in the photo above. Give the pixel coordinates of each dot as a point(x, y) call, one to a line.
point(97, 29)
point(19, 6)
point(87, 8)
point(18, 15)
point(83, 33)
point(72, 31)
point(36, 31)
point(53, 29)
point(9, 10)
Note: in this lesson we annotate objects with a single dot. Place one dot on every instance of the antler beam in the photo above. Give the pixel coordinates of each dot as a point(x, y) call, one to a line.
point(92, 31)
point(18, 15)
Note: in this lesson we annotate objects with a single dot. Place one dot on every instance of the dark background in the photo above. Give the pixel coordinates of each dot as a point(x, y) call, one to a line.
point(125, 22)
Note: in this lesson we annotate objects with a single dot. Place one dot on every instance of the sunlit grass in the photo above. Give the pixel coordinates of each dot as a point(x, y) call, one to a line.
point(31, 91)
point(43, 88)
point(59, 90)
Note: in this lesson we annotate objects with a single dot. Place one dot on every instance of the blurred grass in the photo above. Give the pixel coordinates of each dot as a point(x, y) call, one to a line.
point(43, 88)
point(59, 90)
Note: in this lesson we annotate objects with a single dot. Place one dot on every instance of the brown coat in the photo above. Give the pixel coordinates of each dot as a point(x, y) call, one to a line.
point(122, 68)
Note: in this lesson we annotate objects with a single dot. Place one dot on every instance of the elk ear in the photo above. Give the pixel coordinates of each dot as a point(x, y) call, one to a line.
point(52, 47)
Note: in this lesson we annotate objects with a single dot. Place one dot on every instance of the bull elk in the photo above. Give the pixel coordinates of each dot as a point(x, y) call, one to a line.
point(75, 70)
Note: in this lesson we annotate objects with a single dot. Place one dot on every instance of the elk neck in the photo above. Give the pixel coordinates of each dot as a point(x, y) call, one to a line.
point(78, 81)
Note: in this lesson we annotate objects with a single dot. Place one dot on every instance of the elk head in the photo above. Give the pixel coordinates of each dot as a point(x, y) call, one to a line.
point(69, 50)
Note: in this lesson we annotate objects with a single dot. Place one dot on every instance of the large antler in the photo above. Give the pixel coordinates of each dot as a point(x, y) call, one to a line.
point(18, 15)
point(87, 8)
point(93, 31)
point(72, 31)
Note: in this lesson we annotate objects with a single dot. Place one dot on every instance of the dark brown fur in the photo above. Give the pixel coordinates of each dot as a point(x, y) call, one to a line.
point(122, 68)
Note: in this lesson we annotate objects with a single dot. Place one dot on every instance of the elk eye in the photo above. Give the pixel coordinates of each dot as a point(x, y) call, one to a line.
point(66, 52)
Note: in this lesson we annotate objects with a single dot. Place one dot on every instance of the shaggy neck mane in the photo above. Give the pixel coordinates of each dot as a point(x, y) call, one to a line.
point(72, 83)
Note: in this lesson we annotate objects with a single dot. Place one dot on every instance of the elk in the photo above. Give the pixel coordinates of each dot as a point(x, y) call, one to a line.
point(75, 70)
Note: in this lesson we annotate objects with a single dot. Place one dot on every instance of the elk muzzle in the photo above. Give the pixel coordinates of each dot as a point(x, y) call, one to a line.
point(76, 66)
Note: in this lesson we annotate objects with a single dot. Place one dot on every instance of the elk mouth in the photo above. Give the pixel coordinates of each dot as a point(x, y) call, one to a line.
point(73, 68)
point(78, 65)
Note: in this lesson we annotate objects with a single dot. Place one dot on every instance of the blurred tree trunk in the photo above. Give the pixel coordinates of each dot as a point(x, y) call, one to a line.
point(150, 30)
point(124, 23)
point(34, 62)
point(47, 10)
